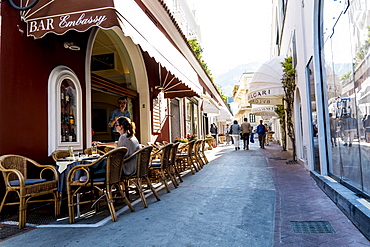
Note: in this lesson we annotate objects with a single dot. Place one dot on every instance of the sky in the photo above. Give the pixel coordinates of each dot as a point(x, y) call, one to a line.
point(234, 32)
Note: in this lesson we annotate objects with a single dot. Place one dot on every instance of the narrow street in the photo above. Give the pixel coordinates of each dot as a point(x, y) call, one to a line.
point(241, 198)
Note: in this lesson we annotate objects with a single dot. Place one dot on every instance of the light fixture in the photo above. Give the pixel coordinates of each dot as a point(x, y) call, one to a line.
point(72, 46)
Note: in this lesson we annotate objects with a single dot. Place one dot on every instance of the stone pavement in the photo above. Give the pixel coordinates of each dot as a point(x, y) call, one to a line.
point(241, 198)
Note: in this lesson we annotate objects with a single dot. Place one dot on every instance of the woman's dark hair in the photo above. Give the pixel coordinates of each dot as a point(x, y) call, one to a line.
point(235, 122)
point(127, 125)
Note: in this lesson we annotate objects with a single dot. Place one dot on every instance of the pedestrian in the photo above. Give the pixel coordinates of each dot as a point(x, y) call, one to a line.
point(348, 126)
point(261, 131)
point(227, 134)
point(213, 131)
point(235, 133)
point(333, 130)
point(266, 136)
point(246, 131)
point(121, 111)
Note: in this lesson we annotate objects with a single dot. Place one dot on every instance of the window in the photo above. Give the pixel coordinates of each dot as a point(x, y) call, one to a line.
point(65, 110)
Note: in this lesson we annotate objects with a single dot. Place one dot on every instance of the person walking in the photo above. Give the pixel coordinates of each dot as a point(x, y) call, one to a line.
point(246, 131)
point(235, 133)
point(261, 131)
point(213, 131)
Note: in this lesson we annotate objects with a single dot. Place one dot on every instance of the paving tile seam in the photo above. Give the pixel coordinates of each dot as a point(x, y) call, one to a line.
point(222, 187)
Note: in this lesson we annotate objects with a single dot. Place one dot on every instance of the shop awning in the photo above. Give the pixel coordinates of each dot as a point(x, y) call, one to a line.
point(60, 16)
point(210, 107)
point(266, 87)
point(267, 110)
point(225, 115)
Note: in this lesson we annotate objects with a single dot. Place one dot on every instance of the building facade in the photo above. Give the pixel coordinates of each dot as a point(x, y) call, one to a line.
point(329, 45)
point(65, 65)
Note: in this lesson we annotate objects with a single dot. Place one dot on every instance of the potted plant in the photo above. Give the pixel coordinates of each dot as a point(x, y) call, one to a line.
point(181, 140)
point(209, 140)
point(221, 138)
point(191, 137)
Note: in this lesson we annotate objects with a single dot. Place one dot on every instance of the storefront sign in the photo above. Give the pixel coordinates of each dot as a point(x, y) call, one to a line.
point(258, 94)
point(65, 21)
point(59, 16)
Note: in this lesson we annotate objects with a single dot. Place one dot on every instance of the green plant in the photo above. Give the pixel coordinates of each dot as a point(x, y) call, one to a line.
point(191, 137)
point(181, 140)
point(362, 50)
point(198, 50)
point(289, 86)
point(281, 113)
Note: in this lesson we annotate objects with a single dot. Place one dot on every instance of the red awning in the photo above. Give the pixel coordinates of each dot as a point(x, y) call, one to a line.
point(60, 16)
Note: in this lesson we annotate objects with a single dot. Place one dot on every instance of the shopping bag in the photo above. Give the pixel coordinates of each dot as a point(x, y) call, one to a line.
point(251, 138)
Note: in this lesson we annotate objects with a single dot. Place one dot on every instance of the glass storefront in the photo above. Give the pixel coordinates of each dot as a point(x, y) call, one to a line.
point(345, 54)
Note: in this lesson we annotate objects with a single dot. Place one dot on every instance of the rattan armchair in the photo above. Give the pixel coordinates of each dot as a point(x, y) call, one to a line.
point(202, 152)
point(107, 149)
point(196, 154)
point(187, 160)
point(142, 157)
point(58, 154)
point(108, 186)
point(16, 178)
point(173, 162)
point(88, 151)
point(159, 168)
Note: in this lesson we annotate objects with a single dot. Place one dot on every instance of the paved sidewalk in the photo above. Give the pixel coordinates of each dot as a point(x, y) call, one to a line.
point(241, 198)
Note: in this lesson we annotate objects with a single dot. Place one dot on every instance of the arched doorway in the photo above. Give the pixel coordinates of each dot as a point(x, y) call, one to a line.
point(113, 68)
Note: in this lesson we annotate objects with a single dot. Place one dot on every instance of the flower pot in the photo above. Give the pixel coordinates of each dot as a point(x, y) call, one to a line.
point(209, 142)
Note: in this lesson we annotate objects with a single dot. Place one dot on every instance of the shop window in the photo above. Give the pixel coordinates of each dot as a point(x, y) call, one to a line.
point(65, 110)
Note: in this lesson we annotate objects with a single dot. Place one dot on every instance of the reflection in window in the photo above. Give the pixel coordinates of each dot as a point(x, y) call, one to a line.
point(347, 60)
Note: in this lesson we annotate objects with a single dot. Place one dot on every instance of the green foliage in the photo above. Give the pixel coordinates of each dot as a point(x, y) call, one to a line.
point(198, 50)
point(345, 76)
point(281, 113)
point(363, 50)
point(289, 86)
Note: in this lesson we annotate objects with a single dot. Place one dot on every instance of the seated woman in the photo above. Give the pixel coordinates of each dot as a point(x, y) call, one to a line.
point(127, 139)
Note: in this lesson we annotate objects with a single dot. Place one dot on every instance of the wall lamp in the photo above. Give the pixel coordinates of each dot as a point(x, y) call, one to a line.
point(72, 46)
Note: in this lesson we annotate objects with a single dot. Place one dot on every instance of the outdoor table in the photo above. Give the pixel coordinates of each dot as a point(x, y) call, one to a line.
point(64, 165)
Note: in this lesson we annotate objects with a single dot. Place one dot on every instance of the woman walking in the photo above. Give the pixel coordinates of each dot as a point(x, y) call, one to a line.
point(235, 133)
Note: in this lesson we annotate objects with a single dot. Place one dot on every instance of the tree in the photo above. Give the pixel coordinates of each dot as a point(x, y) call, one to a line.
point(289, 86)
point(198, 50)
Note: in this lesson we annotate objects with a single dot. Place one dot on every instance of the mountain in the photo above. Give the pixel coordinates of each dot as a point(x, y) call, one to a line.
point(227, 80)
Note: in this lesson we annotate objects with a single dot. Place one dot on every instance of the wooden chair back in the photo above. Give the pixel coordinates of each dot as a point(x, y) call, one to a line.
point(115, 162)
point(58, 154)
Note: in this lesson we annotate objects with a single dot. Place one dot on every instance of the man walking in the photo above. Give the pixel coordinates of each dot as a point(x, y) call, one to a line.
point(246, 131)
point(261, 131)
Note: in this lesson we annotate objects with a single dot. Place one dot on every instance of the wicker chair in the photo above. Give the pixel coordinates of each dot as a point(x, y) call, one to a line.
point(202, 153)
point(197, 155)
point(143, 160)
point(187, 160)
point(173, 162)
point(88, 151)
point(58, 154)
point(107, 149)
point(105, 186)
point(159, 169)
point(14, 170)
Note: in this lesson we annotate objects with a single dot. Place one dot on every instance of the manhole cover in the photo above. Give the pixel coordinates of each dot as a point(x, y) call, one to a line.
point(276, 158)
point(7, 231)
point(292, 162)
point(312, 227)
